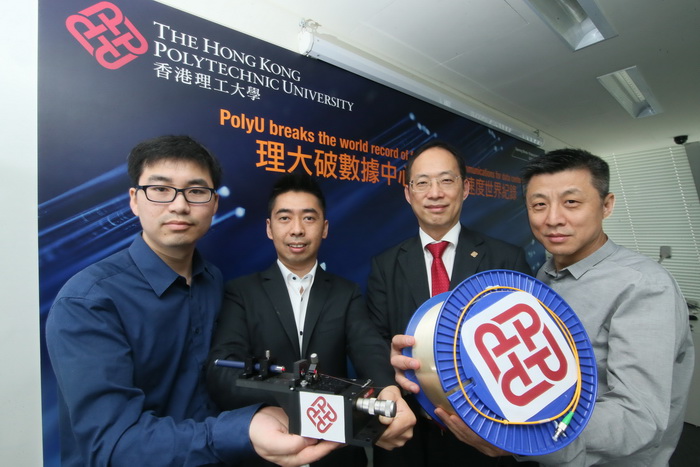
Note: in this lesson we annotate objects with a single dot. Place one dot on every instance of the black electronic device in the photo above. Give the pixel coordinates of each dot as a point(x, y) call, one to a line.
point(318, 406)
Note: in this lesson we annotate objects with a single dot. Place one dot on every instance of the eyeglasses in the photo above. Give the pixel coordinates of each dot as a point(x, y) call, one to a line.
point(167, 194)
point(446, 182)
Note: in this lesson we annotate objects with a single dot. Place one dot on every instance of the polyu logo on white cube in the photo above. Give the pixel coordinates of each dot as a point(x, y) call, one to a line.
point(322, 416)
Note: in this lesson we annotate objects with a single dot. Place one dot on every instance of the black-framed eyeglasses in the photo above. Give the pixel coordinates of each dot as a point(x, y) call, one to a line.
point(167, 194)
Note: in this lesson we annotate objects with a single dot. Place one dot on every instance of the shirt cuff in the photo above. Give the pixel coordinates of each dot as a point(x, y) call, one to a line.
point(230, 434)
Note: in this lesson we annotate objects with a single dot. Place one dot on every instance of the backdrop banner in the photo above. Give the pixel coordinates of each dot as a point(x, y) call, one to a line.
point(112, 74)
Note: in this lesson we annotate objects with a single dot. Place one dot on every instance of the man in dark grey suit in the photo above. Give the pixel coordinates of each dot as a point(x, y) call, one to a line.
point(400, 282)
point(295, 309)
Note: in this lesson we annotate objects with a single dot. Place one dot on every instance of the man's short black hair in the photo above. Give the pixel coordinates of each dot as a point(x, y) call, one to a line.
point(298, 182)
point(436, 143)
point(171, 147)
point(560, 160)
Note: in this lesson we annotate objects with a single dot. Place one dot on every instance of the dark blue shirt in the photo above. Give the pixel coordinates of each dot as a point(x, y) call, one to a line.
point(128, 339)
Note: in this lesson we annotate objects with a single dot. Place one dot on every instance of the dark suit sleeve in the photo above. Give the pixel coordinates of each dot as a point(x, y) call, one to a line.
point(231, 341)
point(377, 301)
point(368, 352)
point(501, 255)
point(520, 264)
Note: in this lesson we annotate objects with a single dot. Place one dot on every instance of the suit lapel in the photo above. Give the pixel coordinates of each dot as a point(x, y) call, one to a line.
point(317, 300)
point(412, 263)
point(468, 256)
point(276, 290)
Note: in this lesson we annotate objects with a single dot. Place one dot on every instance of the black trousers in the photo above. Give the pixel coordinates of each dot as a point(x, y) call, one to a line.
point(348, 456)
point(433, 446)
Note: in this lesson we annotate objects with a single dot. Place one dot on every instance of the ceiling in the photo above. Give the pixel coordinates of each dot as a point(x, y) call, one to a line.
point(501, 55)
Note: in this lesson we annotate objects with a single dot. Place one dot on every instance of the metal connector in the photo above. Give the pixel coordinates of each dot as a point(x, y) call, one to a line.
point(374, 406)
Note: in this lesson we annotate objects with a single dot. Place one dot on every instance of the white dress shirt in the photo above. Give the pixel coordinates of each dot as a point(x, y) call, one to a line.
point(298, 289)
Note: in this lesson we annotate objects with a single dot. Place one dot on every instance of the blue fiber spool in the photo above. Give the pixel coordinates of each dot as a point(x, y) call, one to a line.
point(495, 318)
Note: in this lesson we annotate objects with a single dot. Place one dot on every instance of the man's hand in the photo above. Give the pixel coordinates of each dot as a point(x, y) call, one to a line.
point(465, 434)
point(455, 424)
point(402, 363)
point(400, 427)
point(269, 434)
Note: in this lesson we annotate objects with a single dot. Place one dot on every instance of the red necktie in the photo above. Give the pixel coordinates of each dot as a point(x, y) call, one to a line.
point(438, 273)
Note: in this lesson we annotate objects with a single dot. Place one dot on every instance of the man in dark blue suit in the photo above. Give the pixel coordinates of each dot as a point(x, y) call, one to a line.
point(295, 309)
point(400, 282)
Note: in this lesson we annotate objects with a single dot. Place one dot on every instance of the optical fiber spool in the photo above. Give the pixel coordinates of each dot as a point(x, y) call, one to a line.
point(480, 303)
point(422, 327)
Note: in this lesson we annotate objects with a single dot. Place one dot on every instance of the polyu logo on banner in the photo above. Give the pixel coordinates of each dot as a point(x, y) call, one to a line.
point(322, 417)
point(107, 35)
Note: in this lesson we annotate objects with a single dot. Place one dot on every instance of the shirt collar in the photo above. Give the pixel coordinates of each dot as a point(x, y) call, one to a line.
point(579, 268)
point(451, 236)
point(287, 274)
point(158, 274)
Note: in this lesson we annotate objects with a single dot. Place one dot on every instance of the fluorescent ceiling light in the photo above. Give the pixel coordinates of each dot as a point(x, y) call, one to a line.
point(629, 88)
point(579, 22)
point(330, 50)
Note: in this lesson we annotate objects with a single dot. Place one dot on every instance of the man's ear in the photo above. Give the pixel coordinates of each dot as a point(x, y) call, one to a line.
point(132, 201)
point(268, 229)
point(216, 202)
point(608, 205)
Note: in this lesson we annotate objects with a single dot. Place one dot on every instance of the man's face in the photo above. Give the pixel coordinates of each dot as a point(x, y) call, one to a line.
point(566, 214)
point(296, 228)
point(172, 229)
point(437, 209)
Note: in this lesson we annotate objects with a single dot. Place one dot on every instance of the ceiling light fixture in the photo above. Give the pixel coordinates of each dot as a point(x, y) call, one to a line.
point(330, 50)
point(579, 22)
point(629, 88)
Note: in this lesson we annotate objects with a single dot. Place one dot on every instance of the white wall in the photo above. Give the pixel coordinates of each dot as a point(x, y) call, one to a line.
point(20, 384)
point(693, 151)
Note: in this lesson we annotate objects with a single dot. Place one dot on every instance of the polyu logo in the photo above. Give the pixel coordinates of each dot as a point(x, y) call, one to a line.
point(107, 35)
point(321, 414)
point(521, 354)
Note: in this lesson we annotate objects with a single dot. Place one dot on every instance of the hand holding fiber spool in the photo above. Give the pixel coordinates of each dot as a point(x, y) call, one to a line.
point(508, 356)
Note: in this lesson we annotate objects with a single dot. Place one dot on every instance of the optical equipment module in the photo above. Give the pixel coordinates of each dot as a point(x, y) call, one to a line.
point(318, 406)
point(509, 356)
